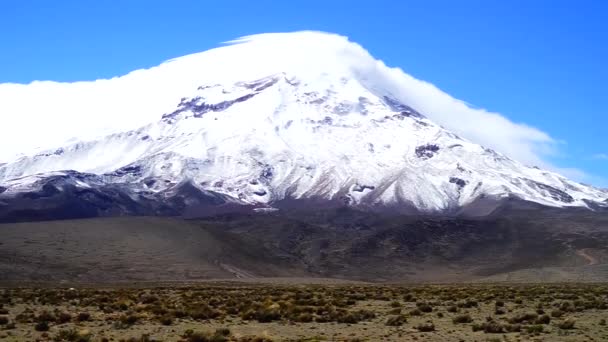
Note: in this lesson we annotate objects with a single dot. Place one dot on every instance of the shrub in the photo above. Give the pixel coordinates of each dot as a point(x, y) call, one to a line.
point(424, 307)
point(203, 312)
point(557, 313)
point(44, 316)
point(534, 329)
point(223, 332)
point(72, 336)
point(452, 308)
point(566, 324)
point(220, 335)
point(304, 317)
point(83, 317)
point(523, 318)
point(42, 326)
point(263, 315)
point(464, 318)
point(513, 327)
point(125, 321)
point(469, 303)
point(544, 319)
point(166, 320)
point(129, 319)
point(415, 312)
point(395, 311)
point(3, 320)
point(489, 327)
point(264, 339)
point(426, 327)
point(499, 311)
point(63, 317)
point(396, 321)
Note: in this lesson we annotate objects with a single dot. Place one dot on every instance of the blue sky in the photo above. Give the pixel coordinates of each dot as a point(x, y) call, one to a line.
point(542, 63)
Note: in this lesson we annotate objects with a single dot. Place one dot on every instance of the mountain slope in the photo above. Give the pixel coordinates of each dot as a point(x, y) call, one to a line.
point(546, 244)
point(322, 130)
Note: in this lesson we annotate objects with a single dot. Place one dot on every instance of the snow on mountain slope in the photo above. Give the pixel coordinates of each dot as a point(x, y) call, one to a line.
point(301, 128)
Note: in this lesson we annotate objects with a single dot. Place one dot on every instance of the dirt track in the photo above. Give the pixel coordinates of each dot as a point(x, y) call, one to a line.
point(584, 253)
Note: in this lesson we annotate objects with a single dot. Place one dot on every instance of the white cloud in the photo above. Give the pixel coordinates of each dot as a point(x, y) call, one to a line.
point(45, 114)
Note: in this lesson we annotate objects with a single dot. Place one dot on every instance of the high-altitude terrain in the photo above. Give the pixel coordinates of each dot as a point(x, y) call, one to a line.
point(291, 155)
point(516, 245)
point(235, 312)
point(265, 129)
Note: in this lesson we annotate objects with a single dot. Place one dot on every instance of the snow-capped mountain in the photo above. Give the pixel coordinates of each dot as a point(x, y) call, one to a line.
point(320, 130)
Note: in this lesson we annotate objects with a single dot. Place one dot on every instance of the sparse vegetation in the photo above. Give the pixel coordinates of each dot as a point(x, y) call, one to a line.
point(426, 327)
point(83, 317)
point(284, 312)
point(42, 326)
point(73, 335)
point(396, 321)
point(566, 324)
point(464, 318)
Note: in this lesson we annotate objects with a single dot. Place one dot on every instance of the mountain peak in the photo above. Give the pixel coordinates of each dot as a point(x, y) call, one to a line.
point(305, 53)
point(303, 116)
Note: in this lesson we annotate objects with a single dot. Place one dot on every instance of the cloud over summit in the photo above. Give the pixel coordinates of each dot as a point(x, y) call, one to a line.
point(45, 114)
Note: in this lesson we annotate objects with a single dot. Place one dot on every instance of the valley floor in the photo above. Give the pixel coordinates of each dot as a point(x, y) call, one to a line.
point(321, 312)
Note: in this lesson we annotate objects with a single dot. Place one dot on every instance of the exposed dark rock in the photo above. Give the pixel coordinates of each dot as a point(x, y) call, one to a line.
point(370, 147)
point(315, 98)
point(361, 106)
point(458, 181)
point(361, 188)
point(267, 173)
point(343, 108)
point(426, 151)
point(497, 156)
point(260, 193)
point(48, 190)
point(554, 193)
point(57, 152)
point(477, 187)
point(131, 170)
point(199, 108)
point(404, 110)
point(185, 197)
point(326, 121)
point(595, 205)
point(261, 84)
point(150, 182)
point(346, 200)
